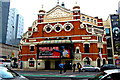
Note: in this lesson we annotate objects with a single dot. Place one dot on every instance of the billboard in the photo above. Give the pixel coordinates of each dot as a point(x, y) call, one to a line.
point(115, 24)
point(55, 51)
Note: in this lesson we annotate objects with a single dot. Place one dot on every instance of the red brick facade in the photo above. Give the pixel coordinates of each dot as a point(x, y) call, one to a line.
point(58, 27)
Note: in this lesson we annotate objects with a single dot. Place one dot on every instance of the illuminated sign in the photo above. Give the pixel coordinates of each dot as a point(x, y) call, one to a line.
point(55, 52)
point(116, 32)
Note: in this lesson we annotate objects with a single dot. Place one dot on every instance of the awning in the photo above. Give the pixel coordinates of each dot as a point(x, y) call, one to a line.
point(54, 42)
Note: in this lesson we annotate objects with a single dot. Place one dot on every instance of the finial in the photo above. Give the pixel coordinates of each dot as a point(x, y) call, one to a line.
point(76, 2)
point(42, 6)
point(58, 2)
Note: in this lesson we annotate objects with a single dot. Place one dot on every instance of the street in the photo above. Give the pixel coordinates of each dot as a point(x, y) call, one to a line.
point(54, 74)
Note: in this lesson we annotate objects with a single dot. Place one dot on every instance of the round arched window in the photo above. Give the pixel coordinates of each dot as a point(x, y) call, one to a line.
point(58, 27)
point(68, 26)
point(47, 28)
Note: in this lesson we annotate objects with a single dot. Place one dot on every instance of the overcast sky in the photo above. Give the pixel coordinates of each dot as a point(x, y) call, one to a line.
point(29, 8)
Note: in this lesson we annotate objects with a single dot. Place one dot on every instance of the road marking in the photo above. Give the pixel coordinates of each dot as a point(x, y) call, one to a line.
point(57, 75)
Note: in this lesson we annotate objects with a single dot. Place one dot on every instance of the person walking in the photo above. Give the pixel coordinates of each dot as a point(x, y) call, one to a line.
point(61, 66)
point(65, 68)
point(74, 66)
point(79, 66)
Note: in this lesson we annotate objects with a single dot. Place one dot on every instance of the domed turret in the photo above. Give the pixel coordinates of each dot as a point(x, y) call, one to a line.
point(76, 11)
point(41, 15)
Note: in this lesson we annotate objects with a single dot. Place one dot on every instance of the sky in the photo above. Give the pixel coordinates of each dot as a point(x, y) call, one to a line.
point(29, 8)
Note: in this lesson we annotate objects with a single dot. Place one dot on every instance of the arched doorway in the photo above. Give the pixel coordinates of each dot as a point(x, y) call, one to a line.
point(98, 63)
point(87, 61)
point(104, 61)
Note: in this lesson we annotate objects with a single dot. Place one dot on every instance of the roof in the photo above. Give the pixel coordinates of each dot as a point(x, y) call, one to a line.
point(112, 71)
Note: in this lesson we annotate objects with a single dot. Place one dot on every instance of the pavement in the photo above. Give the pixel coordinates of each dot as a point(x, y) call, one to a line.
point(55, 73)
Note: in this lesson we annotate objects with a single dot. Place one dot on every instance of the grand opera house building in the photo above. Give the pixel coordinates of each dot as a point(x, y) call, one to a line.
point(63, 35)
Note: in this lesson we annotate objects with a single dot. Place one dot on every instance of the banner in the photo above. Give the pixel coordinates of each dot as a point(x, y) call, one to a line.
point(60, 51)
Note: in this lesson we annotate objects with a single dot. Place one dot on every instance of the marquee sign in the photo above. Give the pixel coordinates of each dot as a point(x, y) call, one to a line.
point(54, 52)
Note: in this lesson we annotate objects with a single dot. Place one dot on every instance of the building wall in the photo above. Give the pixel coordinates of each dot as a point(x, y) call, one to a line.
point(86, 37)
point(119, 7)
point(9, 51)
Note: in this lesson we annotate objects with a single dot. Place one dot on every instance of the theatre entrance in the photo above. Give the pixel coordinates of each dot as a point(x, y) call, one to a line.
point(47, 65)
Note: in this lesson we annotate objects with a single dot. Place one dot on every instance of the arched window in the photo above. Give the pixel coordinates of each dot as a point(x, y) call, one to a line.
point(86, 48)
point(77, 50)
point(104, 61)
point(31, 62)
point(87, 61)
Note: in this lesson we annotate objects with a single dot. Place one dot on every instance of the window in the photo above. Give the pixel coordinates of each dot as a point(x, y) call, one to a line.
point(83, 18)
point(95, 22)
point(77, 50)
point(99, 39)
point(68, 26)
point(88, 19)
point(86, 48)
point(107, 31)
point(100, 50)
point(47, 28)
point(109, 52)
point(31, 63)
point(91, 20)
point(57, 27)
point(109, 42)
point(31, 48)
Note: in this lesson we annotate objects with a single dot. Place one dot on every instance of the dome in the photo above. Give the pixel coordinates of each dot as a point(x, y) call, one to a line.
point(43, 11)
point(76, 7)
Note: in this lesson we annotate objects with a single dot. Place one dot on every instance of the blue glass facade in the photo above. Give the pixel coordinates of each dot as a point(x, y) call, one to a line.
point(4, 12)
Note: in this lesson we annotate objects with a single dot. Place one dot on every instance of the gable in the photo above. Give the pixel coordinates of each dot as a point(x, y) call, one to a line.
point(58, 14)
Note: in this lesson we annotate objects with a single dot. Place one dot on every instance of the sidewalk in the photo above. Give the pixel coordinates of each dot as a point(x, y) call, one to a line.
point(54, 73)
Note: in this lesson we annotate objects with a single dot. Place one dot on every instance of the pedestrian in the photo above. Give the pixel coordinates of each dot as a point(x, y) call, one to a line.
point(79, 66)
point(61, 66)
point(65, 68)
point(74, 66)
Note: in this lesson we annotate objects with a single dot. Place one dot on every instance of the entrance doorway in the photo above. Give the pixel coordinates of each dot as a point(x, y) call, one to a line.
point(47, 65)
point(57, 64)
point(69, 64)
point(98, 63)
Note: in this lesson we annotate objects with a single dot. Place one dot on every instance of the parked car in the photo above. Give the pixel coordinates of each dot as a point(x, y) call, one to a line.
point(8, 74)
point(89, 68)
point(108, 66)
point(113, 74)
point(5, 63)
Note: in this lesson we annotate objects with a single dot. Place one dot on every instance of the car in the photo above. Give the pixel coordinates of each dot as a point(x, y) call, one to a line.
point(5, 63)
point(108, 66)
point(89, 68)
point(113, 74)
point(8, 74)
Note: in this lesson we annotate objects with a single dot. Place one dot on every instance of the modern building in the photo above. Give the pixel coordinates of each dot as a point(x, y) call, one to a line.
point(63, 35)
point(15, 27)
point(112, 26)
point(118, 7)
point(4, 12)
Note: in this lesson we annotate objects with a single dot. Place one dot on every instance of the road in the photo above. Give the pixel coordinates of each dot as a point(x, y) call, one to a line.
point(54, 75)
